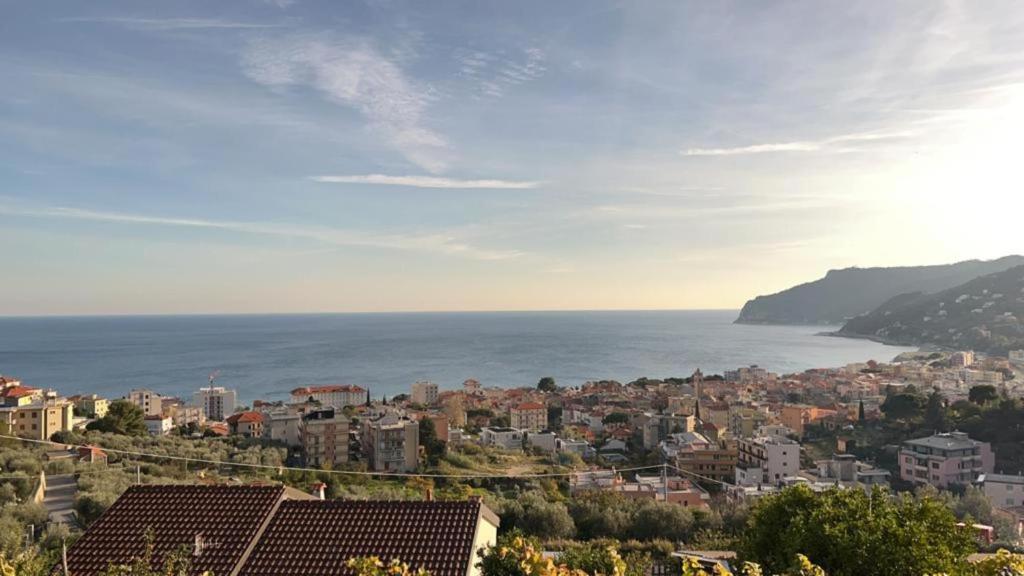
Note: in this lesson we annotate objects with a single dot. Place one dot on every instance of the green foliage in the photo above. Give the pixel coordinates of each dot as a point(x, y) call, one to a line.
point(602, 557)
point(535, 516)
point(904, 405)
point(616, 418)
point(177, 563)
point(374, 566)
point(123, 418)
point(432, 445)
point(851, 533)
point(547, 384)
point(600, 514)
point(982, 394)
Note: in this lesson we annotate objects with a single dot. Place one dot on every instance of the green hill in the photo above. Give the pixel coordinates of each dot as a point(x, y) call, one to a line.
point(844, 294)
point(985, 314)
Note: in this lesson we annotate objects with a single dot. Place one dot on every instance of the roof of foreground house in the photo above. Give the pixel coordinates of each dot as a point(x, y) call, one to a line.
point(317, 538)
point(225, 519)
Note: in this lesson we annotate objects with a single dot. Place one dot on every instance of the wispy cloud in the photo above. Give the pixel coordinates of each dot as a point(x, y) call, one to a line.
point(497, 73)
point(169, 23)
point(441, 243)
point(799, 146)
point(427, 182)
point(356, 75)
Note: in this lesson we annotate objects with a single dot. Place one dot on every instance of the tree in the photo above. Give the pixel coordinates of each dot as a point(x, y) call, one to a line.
point(547, 384)
point(616, 418)
point(983, 394)
point(935, 417)
point(535, 516)
point(903, 405)
point(432, 445)
point(374, 566)
point(851, 532)
point(123, 418)
point(860, 411)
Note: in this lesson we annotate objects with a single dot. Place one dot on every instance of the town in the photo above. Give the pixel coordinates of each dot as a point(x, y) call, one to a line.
point(704, 444)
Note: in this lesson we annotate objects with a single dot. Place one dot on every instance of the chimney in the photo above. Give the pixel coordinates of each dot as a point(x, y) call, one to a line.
point(429, 495)
point(318, 490)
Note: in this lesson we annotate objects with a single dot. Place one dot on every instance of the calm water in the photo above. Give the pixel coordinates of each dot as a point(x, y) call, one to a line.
point(265, 356)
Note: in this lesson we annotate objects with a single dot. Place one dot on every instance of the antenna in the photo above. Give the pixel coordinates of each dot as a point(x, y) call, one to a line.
point(213, 376)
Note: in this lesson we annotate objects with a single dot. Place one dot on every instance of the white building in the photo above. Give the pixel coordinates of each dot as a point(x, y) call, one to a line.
point(542, 440)
point(505, 438)
point(424, 393)
point(766, 460)
point(1003, 490)
point(159, 425)
point(335, 395)
point(216, 402)
point(150, 402)
point(1017, 357)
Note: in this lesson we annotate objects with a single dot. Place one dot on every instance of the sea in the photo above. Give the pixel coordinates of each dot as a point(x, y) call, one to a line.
point(265, 356)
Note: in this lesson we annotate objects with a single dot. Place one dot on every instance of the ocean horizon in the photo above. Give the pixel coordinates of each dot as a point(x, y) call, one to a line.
point(266, 355)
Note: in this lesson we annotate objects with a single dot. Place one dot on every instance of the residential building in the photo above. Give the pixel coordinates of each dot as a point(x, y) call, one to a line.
point(1016, 357)
point(324, 436)
point(391, 443)
point(337, 395)
point(701, 456)
point(1003, 490)
point(216, 402)
point(248, 424)
point(39, 420)
point(745, 421)
point(945, 460)
point(962, 359)
point(18, 395)
point(184, 414)
point(150, 402)
point(455, 407)
point(504, 438)
point(424, 393)
point(766, 460)
point(92, 406)
point(530, 416)
point(573, 446)
point(260, 530)
point(159, 425)
point(544, 441)
point(797, 417)
point(845, 470)
point(283, 426)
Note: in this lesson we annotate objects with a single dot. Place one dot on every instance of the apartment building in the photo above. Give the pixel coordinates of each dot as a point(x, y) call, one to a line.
point(150, 402)
point(18, 395)
point(766, 460)
point(391, 444)
point(707, 458)
point(1003, 490)
point(945, 460)
point(159, 425)
point(39, 420)
point(324, 436)
point(92, 406)
point(216, 402)
point(248, 424)
point(283, 426)
point(504, 438)
point(335, 395)
point(797, 417)
point(424, 393)
point(529, 416)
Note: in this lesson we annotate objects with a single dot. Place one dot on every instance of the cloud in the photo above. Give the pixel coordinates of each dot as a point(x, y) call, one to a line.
point(440, 243)
point(799, 146)
point(496, 74)
point(170, 23)
point(357, 76)
point(427, 182)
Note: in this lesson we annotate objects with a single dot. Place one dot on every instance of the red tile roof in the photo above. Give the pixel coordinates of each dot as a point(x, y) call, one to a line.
point(226, 518)
point(245, 418)
point(305, 390)
point(317, 538)
point(18, 391)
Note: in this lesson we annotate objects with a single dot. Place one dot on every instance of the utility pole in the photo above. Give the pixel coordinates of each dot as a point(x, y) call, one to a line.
point(138, 474)
point(664, 480)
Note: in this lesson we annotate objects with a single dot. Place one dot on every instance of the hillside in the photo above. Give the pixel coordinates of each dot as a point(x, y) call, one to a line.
point(985, 314)
point(844, 294)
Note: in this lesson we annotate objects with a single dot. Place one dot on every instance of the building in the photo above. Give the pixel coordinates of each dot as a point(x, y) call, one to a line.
point(963, 359)
point(845, 470)
point(391, 444)
point(336, 395)
point(283, 426)
point(260, 530)
point(159, 425)
point(1016, 357)
point(324, 437)
point(766, 460)
point(216, 402)
point(797, 417)
point(945, 460)
point(150, 402)
point(504, 438)
point(543, 441)
point(424, 393)
point(92, 406)
point(39, 420)
point(19, 395)
point(529, 416)
point(248, 424)
point(703, 457)
point(1003, 490)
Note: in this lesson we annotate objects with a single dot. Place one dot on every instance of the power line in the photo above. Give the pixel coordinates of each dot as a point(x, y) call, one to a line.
point(280, 469)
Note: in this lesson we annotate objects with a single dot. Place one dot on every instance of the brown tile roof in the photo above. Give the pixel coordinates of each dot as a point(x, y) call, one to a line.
point(245, 417)
point(18, 391)
point(226, 518)
point(316, 538)
point(332, 388)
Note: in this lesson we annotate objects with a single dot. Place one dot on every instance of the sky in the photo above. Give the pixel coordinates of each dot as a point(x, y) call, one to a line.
point(315, 156)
